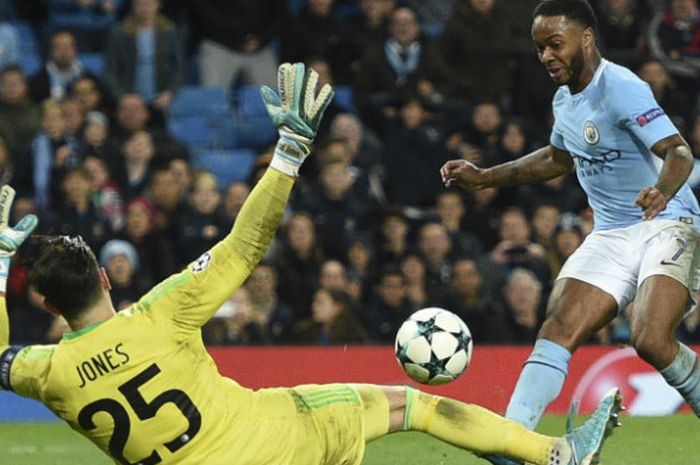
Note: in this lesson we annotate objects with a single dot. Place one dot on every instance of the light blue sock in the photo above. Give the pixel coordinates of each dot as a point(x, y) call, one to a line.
point(684, 374)
point(539, 384)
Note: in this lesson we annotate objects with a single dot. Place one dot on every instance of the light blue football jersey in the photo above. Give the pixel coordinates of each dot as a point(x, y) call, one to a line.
point(609, 129)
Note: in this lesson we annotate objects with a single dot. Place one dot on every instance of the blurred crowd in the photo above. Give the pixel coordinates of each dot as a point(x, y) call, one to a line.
point(371, 234)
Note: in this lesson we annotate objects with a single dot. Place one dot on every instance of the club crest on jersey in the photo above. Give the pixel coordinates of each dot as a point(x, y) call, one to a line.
point(649, 116)
point(590, 133)
point(201, 263)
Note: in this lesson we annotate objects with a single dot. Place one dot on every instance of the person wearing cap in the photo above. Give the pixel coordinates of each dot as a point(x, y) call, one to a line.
point(120, 260)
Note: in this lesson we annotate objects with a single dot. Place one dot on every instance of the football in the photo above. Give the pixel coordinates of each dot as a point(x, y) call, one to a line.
point(433, 346)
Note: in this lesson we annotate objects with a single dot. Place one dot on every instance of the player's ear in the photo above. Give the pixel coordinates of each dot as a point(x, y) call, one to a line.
point(588, 38)
point(104, 279)
point(50, 308)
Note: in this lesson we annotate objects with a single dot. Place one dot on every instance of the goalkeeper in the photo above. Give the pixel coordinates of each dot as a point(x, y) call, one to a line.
point(141, 386)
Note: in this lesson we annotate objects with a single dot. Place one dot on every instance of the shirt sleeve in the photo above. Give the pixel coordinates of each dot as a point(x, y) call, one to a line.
point(632, 105)
point(189, 299)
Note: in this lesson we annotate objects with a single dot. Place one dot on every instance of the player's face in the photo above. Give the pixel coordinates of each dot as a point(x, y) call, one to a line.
point(560, 47)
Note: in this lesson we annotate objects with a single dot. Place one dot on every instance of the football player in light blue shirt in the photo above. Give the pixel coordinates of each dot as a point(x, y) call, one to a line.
point(607, 129)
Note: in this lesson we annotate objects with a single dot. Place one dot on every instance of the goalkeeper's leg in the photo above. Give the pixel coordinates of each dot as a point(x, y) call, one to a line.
point(390, 409)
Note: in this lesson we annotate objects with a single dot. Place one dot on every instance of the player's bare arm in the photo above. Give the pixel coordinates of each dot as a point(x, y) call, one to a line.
point(678, 163)
point(540, 165)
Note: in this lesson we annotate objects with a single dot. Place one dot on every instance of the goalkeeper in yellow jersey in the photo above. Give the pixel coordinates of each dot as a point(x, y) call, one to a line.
point(141, 386)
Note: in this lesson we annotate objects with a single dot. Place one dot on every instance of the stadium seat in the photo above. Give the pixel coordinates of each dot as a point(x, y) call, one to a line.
point(27, 38)
point(345, 98)
point(201, 101)
point(30, 63)
point(256, 132)
point(249, 102)
point(208, 133)
point(94, 62)
point(227, 165)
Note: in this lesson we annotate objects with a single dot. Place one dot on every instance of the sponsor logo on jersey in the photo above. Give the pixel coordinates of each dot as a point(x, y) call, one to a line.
point(649, 116)
point(202, 263)
point(590, 133)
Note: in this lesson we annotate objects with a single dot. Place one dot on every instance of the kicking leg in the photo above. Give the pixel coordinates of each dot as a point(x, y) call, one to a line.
point(576, 310)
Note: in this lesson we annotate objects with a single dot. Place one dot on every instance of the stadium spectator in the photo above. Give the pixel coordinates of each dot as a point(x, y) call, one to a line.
point(52, 152)
point(105, 193)
point(73, 116)
point(274, 318)
point(7, 169)
point(621, 25)
point(322, 66)
point(61, 69)
point(389, 307)
point(9, 44)
point(363, 145)
point(567, 237)
point(470, 296)
point(449, 206)
point(420, 292)
point(563, 191)
point(432, 16)
point(516, 248)
point(674, 39)
point(20, 118)
point(169, 203)
point(674, 102)
point(133, 171)
point(144, 55)
point(483, 132)
point(95, 133)
point(523, 305)
point(333, 320)
point(545, 218)
point(371, 25)
point(360, 260)
point(233, 323)
point(332, 275)
point(298, 262)
point(412, 147)
point(76, 214)
point(404, 65)
point(514, 140)
point(393, 239)
point(481, 215)
point(435, 247)
point(336, 209)
point(202, 225)
point(157, 254)
point(234, 197)
point(317, 32)
point(238, 40)
point(91, 95)
point(89, 20)
point(121, 262)
point(478, 47)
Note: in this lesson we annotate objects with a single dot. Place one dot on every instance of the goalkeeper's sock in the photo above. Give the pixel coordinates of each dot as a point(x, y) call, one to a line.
point(684, 374)
point(539, 384)
point(479, 430)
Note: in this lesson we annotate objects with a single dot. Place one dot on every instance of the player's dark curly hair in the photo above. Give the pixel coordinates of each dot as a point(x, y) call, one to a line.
point(575, 10)
point(66, 273)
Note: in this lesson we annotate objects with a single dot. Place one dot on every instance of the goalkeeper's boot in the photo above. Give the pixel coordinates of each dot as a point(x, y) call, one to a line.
point(587, 440)
point(501, 460)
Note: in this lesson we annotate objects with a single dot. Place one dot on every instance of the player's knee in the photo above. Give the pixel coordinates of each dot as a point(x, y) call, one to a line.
point(653, 345)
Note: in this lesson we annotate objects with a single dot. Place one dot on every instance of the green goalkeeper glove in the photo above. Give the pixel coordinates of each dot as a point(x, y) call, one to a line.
point(297, 112)
point(11, 238)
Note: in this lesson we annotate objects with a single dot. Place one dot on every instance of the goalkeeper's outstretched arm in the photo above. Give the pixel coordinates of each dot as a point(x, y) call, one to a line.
point(193, 296)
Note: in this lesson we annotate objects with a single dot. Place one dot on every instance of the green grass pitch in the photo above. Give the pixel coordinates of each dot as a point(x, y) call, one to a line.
point(641, 441)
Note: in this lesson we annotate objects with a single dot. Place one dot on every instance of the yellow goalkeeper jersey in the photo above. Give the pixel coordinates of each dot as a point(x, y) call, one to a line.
point(141, 385)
